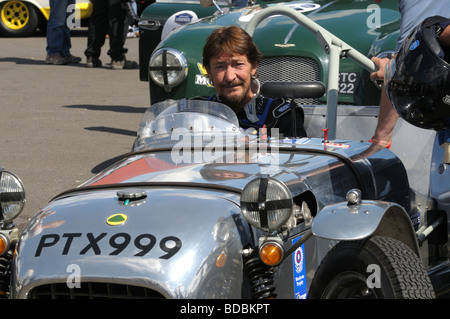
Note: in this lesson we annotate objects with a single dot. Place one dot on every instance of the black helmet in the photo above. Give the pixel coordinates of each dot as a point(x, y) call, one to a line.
point(418, 80)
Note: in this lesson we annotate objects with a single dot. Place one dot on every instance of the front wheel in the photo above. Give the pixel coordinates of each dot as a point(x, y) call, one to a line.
point(374, 268)
point(18, 18)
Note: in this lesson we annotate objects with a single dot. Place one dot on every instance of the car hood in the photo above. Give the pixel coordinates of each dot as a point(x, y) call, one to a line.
point(161, 167)
point(149, 222)
point(164, 242)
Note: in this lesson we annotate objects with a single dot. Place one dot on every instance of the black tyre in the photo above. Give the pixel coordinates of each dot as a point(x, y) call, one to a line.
point(18, 18)
point(395, 272)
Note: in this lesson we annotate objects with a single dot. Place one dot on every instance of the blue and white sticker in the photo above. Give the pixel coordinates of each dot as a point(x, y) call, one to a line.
point(298, 261)
point(183, 18)
point(303, 140)
point(414, 45)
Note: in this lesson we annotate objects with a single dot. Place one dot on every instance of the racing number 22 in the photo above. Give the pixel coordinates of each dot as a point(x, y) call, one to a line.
point(144, 243)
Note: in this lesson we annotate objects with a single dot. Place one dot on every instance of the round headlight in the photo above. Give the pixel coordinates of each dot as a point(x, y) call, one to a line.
point(266, 203)
point(12, 195)
point(168, 68)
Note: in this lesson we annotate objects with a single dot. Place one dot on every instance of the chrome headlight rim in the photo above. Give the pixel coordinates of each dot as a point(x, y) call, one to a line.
point(12, 196)
point(158, 68)
point(262, 212)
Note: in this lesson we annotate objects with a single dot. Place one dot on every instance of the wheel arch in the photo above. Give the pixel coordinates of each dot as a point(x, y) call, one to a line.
point(396, 224)
point(343, 222)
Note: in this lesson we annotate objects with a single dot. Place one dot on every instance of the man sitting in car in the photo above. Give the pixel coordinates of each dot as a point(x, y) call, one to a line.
point(230, 58)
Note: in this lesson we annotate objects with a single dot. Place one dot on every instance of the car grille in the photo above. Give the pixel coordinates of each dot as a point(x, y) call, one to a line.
point(287, 68)
point(93, 291)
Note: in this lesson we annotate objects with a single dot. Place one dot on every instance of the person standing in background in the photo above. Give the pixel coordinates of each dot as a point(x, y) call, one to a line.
point(108, 17)
point(58, 33)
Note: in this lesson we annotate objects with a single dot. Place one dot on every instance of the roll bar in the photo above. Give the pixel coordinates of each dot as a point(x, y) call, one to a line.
point(333, 46)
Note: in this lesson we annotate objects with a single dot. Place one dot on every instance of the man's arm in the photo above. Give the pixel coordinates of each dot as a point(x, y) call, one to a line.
point(444, 38)
point(387, 116)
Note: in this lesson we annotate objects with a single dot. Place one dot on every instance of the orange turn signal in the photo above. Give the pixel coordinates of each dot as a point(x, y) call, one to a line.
point(4, 244)
point(271, 253)
point(221, 260)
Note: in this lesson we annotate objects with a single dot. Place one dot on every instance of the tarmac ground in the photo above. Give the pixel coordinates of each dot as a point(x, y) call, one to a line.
point(60, 125)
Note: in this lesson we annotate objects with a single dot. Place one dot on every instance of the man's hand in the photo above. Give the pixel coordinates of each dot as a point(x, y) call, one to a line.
point(444, 38)
point(380, 64)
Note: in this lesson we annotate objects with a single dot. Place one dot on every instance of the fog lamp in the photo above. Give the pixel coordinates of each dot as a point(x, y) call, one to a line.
point(12, 196)
point(266, 203)
point(271, 253)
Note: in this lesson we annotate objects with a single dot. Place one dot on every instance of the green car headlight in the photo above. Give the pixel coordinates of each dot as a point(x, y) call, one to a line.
point(12, 195)
point(168, 68)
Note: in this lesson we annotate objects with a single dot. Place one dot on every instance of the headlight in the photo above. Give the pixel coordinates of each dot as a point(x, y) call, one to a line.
point(267, 203)
point(12, 195)
point(168, 68)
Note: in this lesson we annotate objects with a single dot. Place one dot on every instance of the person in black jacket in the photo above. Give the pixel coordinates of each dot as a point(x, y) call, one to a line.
point(108, 17)
point(230, 58)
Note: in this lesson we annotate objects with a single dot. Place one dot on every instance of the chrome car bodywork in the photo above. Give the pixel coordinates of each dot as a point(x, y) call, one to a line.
point(183, 214)
point(180, 216)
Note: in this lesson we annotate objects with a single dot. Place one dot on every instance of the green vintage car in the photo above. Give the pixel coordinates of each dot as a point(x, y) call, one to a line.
point(174, 68)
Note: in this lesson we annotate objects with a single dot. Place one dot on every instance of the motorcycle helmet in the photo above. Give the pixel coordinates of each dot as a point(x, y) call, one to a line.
point(418, 79)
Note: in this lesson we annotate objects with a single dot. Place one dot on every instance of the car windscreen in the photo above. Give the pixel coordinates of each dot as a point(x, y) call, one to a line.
point(187, 116)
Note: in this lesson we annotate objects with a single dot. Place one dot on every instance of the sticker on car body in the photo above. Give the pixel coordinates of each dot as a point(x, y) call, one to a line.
point(299, 271)
point(338, 145)
point(303, 140)
point(202, 78)
point(108, 244)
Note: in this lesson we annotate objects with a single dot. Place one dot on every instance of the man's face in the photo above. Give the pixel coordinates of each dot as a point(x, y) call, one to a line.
point(231, 76)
